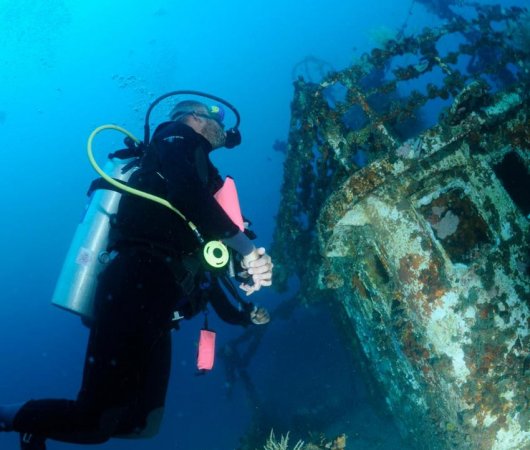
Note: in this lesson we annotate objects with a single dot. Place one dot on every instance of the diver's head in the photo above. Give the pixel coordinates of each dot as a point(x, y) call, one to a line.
point(204, 120)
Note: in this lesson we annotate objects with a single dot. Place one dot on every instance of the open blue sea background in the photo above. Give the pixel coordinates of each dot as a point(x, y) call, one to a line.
point(67, 66)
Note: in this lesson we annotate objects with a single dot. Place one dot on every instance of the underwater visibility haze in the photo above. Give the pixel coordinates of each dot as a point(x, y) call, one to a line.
point(336, 100)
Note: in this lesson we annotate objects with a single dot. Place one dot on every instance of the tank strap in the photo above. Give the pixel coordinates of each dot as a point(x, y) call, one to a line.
point(100, 183)
point(133, 150)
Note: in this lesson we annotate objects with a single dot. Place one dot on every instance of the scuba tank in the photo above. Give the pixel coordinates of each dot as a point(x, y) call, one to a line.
point(88, 255)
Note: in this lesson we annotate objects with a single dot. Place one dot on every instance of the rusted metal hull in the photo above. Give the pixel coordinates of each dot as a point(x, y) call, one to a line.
point(429, 263)
point(426, 248)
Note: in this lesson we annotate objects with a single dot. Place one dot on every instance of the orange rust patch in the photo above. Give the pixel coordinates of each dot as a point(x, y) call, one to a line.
point(359, 286)
point(408, 266)
point(333, 281)
point(439, 293)
point(412, 347)
point(485, 312)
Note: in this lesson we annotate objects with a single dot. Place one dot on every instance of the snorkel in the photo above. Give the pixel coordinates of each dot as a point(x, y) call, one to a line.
point(233, 136)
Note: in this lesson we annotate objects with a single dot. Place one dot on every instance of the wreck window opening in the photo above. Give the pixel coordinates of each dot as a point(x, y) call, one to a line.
point(515, 178)
point(508, 76)
point(374, 79)
point(380, 103)
point(514, 69)
point(355, 118)
point(492, 81)
point(499, 26)
point(439, 105)
point(405, 70)
point(315, 150)
point(485, 64)
point(413, 125)
point(450, 43)
point(427, 115)
point(375, 269)
point(360, 157)
point(402, 61)
point(463, 58)
point(457, 225)
point(462, 63)
point(413, 93)
point(335, 94)
point(306, 184)
point(320, 139)
point(303, 220)
point(407, 87)
point(420, 84)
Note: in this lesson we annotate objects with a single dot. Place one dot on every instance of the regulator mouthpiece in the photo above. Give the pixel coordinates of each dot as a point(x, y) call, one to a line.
point(233, 138)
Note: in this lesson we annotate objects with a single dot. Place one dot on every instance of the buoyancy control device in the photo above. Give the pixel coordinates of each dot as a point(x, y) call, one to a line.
point(88, 254)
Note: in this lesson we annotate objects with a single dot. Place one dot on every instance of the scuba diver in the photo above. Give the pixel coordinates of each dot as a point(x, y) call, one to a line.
point(155, 276)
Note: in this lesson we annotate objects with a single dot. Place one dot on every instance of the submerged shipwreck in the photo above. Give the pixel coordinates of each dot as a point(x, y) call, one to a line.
point(415, 226)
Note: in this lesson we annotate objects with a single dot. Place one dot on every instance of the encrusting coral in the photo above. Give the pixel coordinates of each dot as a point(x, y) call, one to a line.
point(338, 443)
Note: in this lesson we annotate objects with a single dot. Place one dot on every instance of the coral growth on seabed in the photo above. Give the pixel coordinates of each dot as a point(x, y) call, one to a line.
point(338, 443)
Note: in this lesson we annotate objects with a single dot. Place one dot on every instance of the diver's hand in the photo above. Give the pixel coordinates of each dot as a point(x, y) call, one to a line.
point(258, 265)
point(259, 316)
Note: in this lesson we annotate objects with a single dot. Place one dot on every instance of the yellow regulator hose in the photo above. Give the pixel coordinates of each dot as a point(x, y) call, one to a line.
point(215, 252)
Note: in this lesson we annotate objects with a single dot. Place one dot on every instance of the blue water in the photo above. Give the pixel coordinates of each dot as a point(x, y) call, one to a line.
point(68, 66)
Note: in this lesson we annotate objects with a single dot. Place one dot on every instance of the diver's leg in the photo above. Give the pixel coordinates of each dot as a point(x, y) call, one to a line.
point(127, 360)
point(146, 418)
point(56, 418)
point(129, 377)
point(80, 420)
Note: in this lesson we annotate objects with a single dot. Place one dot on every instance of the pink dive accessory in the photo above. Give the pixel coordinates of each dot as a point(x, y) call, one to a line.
point(206, 353)
point(227, 197)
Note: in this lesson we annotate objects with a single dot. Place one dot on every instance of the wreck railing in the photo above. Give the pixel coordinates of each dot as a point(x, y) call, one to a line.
point(364, 113)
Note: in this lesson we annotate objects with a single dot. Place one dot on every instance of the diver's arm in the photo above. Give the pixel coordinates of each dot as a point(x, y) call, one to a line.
point(257, 264)
point(225, 308)
point(240, 243)
point(186, 189)
point(188, 192)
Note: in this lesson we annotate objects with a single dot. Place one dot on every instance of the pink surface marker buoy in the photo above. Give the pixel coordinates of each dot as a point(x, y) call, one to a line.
point(228, 199)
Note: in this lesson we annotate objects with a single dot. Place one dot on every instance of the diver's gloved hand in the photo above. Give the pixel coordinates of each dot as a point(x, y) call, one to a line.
point(258, 265)
point(259, 316)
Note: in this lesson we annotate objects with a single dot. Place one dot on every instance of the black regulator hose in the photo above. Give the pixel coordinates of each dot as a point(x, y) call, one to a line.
point(147, 131)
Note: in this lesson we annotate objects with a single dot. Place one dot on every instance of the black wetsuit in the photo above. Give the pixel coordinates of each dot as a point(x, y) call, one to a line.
point(128, 357)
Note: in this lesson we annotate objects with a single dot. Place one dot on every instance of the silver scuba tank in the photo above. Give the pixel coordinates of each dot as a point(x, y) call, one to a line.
point(88, 255)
